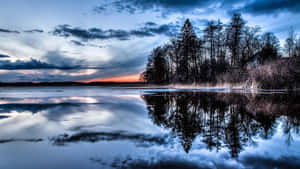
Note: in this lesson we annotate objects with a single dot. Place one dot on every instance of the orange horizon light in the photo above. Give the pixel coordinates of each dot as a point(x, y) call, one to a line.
point(127, 78)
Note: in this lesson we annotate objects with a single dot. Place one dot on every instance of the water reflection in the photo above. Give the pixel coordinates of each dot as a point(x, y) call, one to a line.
point(287, 162)
point(223, 119)
point(149, 129)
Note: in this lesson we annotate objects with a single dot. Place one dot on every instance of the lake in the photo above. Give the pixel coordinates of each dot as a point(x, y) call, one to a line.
point(118, 127)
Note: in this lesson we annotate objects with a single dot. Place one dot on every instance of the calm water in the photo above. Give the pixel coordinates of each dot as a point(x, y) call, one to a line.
point(95, 127)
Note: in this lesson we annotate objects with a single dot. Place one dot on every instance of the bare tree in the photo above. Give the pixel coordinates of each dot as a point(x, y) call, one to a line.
point(297, 48)
point(270, 48)
point(250, 45)
point(290, 42)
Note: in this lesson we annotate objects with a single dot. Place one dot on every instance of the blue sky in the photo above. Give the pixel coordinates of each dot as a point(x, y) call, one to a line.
point(72, 40)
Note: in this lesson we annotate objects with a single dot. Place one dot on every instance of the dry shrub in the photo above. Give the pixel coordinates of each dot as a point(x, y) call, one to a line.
point(279, 74)
point(234, 76)
point(273, 75)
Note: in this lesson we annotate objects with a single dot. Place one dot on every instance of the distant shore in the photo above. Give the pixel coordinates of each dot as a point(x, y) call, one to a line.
point(46, 84)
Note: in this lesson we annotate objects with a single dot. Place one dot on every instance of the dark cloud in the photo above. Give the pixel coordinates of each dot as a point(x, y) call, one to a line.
point(4, 56)
point(148, 30)
point(31, 64)
point(170, 6)
point(166, 29)
point(75, 42)
point(3, 117)
point(89, 34)
point(54, 60)
point(117, 5)
point(270, 7)
point(8, 31)
point(100, 9)
point(132, 6)
point(34, 31)
point(150, 24)
point(17, 32)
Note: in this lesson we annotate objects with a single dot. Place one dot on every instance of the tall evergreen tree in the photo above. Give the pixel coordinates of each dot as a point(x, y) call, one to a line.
point(187, 53)
point(220, 42)
point(210, 37)
point(234, 35)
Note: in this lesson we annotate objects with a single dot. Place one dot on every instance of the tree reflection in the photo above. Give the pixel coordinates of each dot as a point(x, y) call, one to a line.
point(223, 119)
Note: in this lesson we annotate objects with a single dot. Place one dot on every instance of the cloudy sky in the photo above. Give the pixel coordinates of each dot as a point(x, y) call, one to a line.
point(84, 40)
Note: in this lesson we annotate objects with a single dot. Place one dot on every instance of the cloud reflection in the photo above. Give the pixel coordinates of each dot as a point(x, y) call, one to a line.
point(177, 129)
point(140, 139)
point(20, 140)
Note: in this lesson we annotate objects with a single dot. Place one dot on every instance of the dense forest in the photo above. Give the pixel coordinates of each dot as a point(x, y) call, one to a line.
point(232, 53)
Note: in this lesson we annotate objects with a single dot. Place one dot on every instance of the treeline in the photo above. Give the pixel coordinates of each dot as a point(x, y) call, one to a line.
point(224, 53)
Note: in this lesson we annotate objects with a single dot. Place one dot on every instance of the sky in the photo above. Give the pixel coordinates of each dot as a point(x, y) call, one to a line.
point(103, 40)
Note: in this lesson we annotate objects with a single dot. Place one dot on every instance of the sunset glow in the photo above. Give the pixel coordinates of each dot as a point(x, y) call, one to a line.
point(127, 78)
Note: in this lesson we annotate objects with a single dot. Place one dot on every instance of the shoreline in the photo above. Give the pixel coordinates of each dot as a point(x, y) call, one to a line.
point(140, 85)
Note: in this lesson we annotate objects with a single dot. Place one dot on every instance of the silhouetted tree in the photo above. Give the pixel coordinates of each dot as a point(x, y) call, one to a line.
point(157, 67)
point(187, 53)
point(297, 48)
point(210, 38)
point(290, 43)
point(148, 74)
point(270, 48)
point(220, 42)
point(250, 45)
point(234, 33)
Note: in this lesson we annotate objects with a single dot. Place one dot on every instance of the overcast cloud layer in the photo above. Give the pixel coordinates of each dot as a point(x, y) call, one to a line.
point(73, 40)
